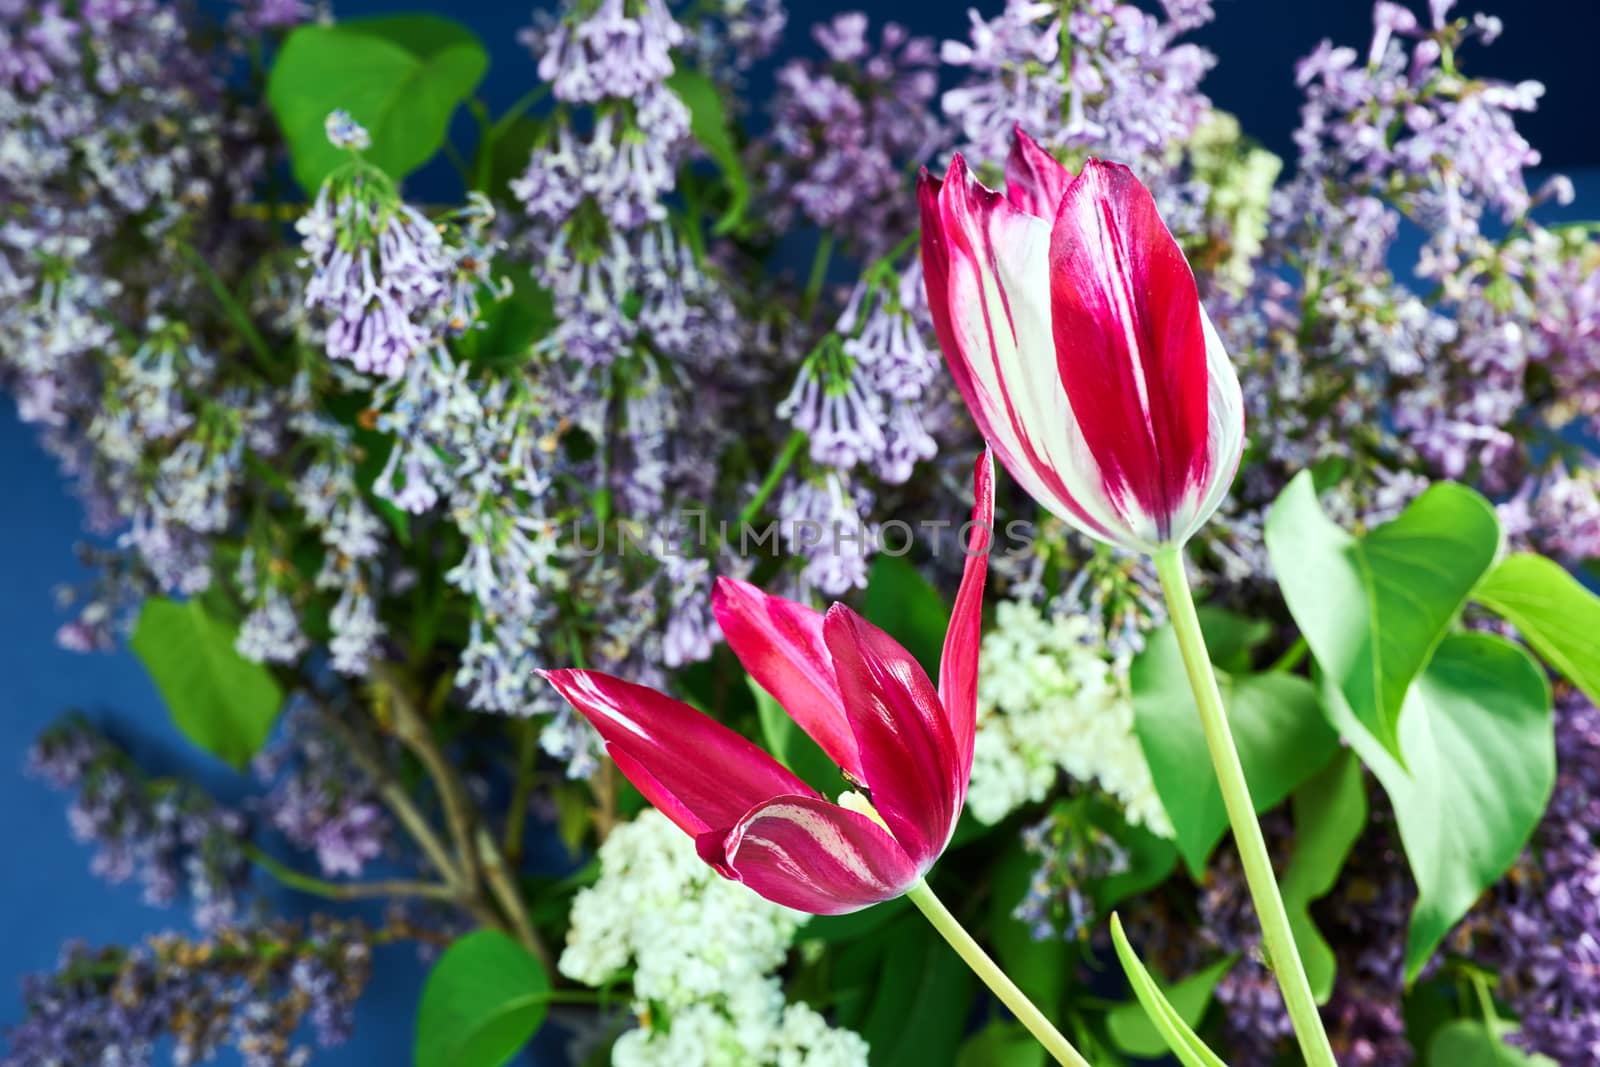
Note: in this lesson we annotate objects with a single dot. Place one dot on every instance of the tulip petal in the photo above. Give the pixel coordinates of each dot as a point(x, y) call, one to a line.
point(701, 774)
point(1131, 348)
point(1035, 182)
point(912, 765)
point(813, 856)
point(986, 266)
point(958, 663)
point(780, 643)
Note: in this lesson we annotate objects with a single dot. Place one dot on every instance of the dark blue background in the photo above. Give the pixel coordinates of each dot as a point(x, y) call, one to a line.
point(47, 894)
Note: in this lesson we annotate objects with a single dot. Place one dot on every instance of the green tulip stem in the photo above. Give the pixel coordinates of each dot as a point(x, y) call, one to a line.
point(1282, 954)
point(984, 966)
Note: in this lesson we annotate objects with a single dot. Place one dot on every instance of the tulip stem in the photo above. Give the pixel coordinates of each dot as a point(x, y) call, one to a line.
point(984, 966)
point(1282, 954)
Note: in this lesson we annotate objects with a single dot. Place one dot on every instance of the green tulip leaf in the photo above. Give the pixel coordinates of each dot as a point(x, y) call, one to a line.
point(1168, 1022)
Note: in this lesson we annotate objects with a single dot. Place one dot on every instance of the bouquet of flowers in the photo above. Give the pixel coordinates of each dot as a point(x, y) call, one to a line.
point(838, 620)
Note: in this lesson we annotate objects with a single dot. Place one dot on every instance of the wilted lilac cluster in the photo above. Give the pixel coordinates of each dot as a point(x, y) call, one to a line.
point(249, 989)
point(848, 133)
point(172, 837)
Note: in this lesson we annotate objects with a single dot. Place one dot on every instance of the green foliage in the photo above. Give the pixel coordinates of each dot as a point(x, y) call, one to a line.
point(1135, 1034)
point(1480, 763)
point(1166, 1020)
point(792, 746)
point(902, 602)
point(1330, 811)
point(401, 77)
point(221, 701)
point(484, 999)
point(1001, 1045)
point(1279, 730)
point(1553, 612)
point(1471, 1043)
point(921, 999)
point(508, 328)
point(709, 123)
point(1374, 608)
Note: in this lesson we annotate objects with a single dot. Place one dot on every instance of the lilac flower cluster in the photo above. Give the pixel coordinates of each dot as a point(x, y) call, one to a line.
point(1537, 930)
point(173, 838)
point(388, 279)
point(320, 798)
point(1466, 374)
point(249, 989)
point(1124, 88)
point(865, 398)
point(846, 133)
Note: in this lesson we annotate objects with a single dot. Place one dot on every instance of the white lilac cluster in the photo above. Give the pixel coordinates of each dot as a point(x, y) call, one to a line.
point(702, 951)
point(1059, 705)
point(389, 281)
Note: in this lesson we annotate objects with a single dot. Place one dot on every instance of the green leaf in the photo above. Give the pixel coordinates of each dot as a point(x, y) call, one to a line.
point(1471, 1043)
point(792, 746)
point(1131, 1028)
point(508, 328)
point(1480, 763)
point(1230, 637)
point(1374, 608)
point(1001, 1045)
point(401, 77)
point(1277, 726)
point(923, 994)
point(1177, 1034)
point(708, 122)
point(1039, 967)
point(221, 701)
point(900, 601)
point(1330, 811)
point(1553, 612)
point(484, 999)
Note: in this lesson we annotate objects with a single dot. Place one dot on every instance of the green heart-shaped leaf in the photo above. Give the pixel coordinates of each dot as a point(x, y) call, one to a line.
point(1277, 727)
point(1480, 763)
point(401, 77)
point(484, 999)
point(1374, 608)
point(224, 703)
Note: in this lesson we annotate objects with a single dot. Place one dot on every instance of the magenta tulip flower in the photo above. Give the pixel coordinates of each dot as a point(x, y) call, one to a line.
point(1073, 328)
point(865, 701)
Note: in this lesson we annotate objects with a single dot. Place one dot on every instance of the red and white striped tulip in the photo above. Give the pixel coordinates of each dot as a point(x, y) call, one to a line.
point(1072, 325)
point(866, 702)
